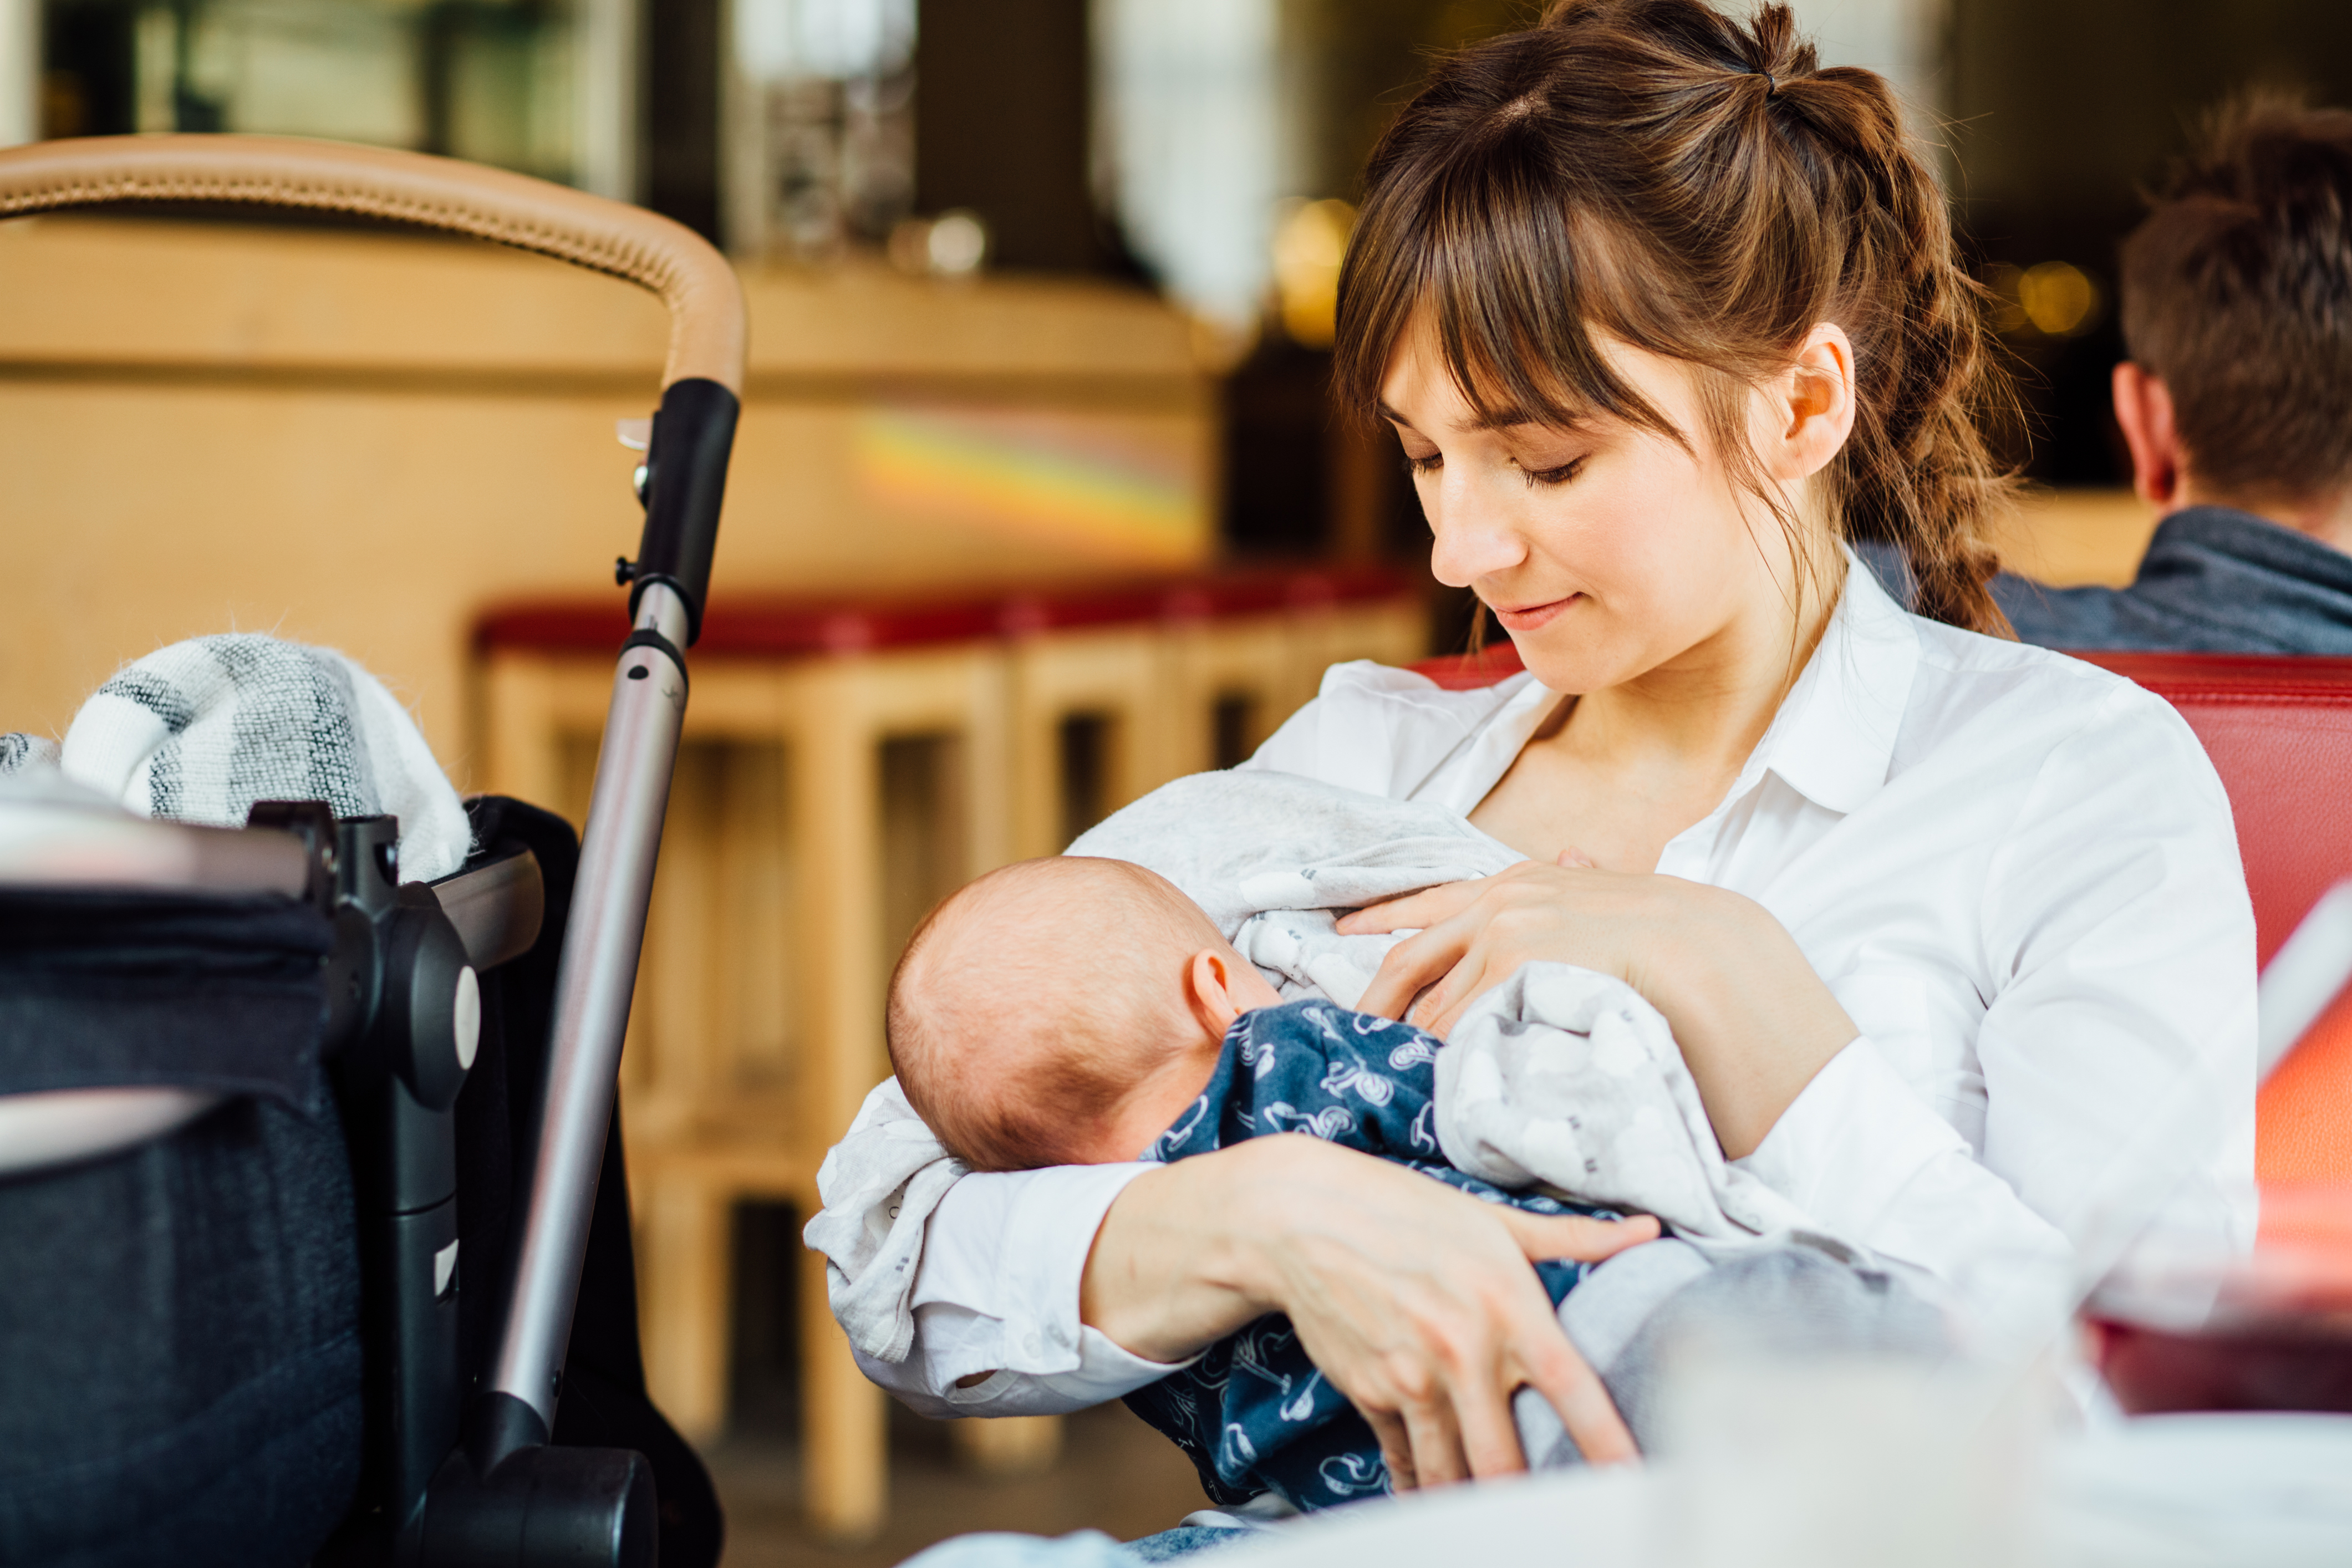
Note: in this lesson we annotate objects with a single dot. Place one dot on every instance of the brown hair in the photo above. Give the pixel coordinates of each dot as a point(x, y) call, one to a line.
point(1030, 1005)
point(2237, 291)
point(1658, 173)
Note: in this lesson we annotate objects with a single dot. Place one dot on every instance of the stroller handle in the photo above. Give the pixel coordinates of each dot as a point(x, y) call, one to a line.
point(706, 303)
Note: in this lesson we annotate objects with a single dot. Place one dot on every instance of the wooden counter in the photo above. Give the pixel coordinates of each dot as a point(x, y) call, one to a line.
point(361, 439)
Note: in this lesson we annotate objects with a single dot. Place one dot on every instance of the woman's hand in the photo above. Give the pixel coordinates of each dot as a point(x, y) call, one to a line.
point(1755, 1023)
point(1413, 1298)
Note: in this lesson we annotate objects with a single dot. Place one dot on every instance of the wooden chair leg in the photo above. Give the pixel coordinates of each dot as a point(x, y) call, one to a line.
point(844, 1428)
point(685, 1272)
point(1008, 1444)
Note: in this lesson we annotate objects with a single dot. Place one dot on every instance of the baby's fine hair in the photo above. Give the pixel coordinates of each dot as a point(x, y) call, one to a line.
point(1075, 961)
point(1700, 188)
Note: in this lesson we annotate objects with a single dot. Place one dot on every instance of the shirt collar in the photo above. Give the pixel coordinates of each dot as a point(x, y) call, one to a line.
point(1833, 738)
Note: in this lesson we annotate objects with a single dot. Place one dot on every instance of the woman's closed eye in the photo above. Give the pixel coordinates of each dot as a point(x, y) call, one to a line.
point(1559, 475)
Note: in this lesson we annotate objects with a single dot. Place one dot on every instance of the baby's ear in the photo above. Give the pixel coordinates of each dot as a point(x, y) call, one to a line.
point(1222, 987)
point(1209, 986)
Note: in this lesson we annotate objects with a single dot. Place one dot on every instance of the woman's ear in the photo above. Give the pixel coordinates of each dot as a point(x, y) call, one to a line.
point(1810, 406)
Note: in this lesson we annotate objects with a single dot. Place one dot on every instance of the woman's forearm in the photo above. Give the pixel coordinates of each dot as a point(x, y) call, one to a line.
point(1755, 1023)
point(1166, 1278)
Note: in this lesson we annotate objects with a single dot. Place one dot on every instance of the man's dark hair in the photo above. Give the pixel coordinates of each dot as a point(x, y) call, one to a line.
point(2237, 292)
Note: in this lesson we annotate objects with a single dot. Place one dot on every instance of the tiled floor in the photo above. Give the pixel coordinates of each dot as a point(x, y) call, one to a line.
point(1116, 1475)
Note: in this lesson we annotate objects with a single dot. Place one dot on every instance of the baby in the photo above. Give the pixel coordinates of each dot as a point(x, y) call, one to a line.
point(1084, 1011)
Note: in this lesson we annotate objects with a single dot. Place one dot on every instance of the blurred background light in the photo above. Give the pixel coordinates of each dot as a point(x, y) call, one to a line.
point(1309, 244)
point(2058, 297)
point(956, 243)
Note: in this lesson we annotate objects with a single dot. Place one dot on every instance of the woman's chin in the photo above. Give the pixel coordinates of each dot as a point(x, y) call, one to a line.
point(1573, 662)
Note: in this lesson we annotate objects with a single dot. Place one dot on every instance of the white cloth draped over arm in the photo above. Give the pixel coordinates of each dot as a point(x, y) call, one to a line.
point(998, 1293)
point(994, 1259)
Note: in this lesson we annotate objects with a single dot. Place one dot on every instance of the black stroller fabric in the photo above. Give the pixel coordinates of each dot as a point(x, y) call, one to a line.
point(181, 1361)
point(180, 1357)
point(179, 1325)
point(100, 988)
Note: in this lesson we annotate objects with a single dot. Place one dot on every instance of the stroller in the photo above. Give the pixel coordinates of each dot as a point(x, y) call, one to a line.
point(150, 970)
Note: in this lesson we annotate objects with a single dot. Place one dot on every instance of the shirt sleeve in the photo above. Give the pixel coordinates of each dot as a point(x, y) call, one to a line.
point(997, 1293)
point(2117, 1050)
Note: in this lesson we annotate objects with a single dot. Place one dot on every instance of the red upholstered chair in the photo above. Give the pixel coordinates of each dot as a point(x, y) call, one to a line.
point(2279, 733)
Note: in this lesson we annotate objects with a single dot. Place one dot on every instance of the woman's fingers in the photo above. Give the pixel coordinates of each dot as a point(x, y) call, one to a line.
point(1553, 1366)
point(1418, 1304)
point(1396, 1448)
point(1472, 975)
point(1412, 910)
point(1546, 1236)
point(1410, 967)
point(1575, 1389)
point(1437, 1459)
point(1473, 935)
point(1490, 1438)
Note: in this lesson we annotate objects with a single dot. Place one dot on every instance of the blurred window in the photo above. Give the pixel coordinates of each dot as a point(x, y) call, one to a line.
point(821, 133)
point(497, 81)
point(1187, 145)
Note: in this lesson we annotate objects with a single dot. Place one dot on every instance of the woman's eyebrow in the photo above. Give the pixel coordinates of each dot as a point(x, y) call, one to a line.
point(1503, 419)
point(1511, 416)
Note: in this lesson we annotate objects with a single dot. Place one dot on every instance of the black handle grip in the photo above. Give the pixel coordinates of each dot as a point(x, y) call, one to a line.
point(686, 480)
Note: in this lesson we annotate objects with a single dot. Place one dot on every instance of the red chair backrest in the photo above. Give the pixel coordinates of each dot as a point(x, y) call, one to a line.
point(2279, 730)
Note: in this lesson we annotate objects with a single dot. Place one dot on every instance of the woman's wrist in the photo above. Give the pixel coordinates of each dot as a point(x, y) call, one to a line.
point(1177, 1264)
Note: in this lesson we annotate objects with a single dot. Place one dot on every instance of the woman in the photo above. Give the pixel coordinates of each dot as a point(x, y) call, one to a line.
point(1661, 315)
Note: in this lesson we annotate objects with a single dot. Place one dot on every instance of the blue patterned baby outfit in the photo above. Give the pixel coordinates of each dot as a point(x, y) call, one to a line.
point(1253, 1413)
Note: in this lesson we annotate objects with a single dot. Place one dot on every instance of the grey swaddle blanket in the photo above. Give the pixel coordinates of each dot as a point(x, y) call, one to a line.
point(1561, 1077)
point(198, 731)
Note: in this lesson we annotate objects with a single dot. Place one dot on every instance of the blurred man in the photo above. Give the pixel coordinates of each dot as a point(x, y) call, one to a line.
point(2236, 402)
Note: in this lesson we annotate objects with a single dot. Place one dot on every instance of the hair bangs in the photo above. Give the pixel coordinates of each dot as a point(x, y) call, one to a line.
point(1488, 252)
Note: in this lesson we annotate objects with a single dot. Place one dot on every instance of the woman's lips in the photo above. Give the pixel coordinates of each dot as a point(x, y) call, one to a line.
point(1531, 617)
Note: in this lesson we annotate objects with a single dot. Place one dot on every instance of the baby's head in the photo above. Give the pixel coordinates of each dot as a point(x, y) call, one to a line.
point(1063, 1012)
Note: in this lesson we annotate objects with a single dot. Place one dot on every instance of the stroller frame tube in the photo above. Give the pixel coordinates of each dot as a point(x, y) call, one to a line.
point(596, 979)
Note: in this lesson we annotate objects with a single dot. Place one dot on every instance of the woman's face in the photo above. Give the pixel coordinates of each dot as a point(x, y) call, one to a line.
point(1607, 551)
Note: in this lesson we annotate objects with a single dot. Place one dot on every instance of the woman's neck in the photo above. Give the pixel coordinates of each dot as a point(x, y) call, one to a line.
point(1708, 708)
point(1616, 773)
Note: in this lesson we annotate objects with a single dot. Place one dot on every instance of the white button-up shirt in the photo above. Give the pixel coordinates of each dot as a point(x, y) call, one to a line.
point(2017, 873)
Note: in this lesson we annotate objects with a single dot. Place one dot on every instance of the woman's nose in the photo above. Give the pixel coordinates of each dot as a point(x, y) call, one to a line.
point(1473, 537)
